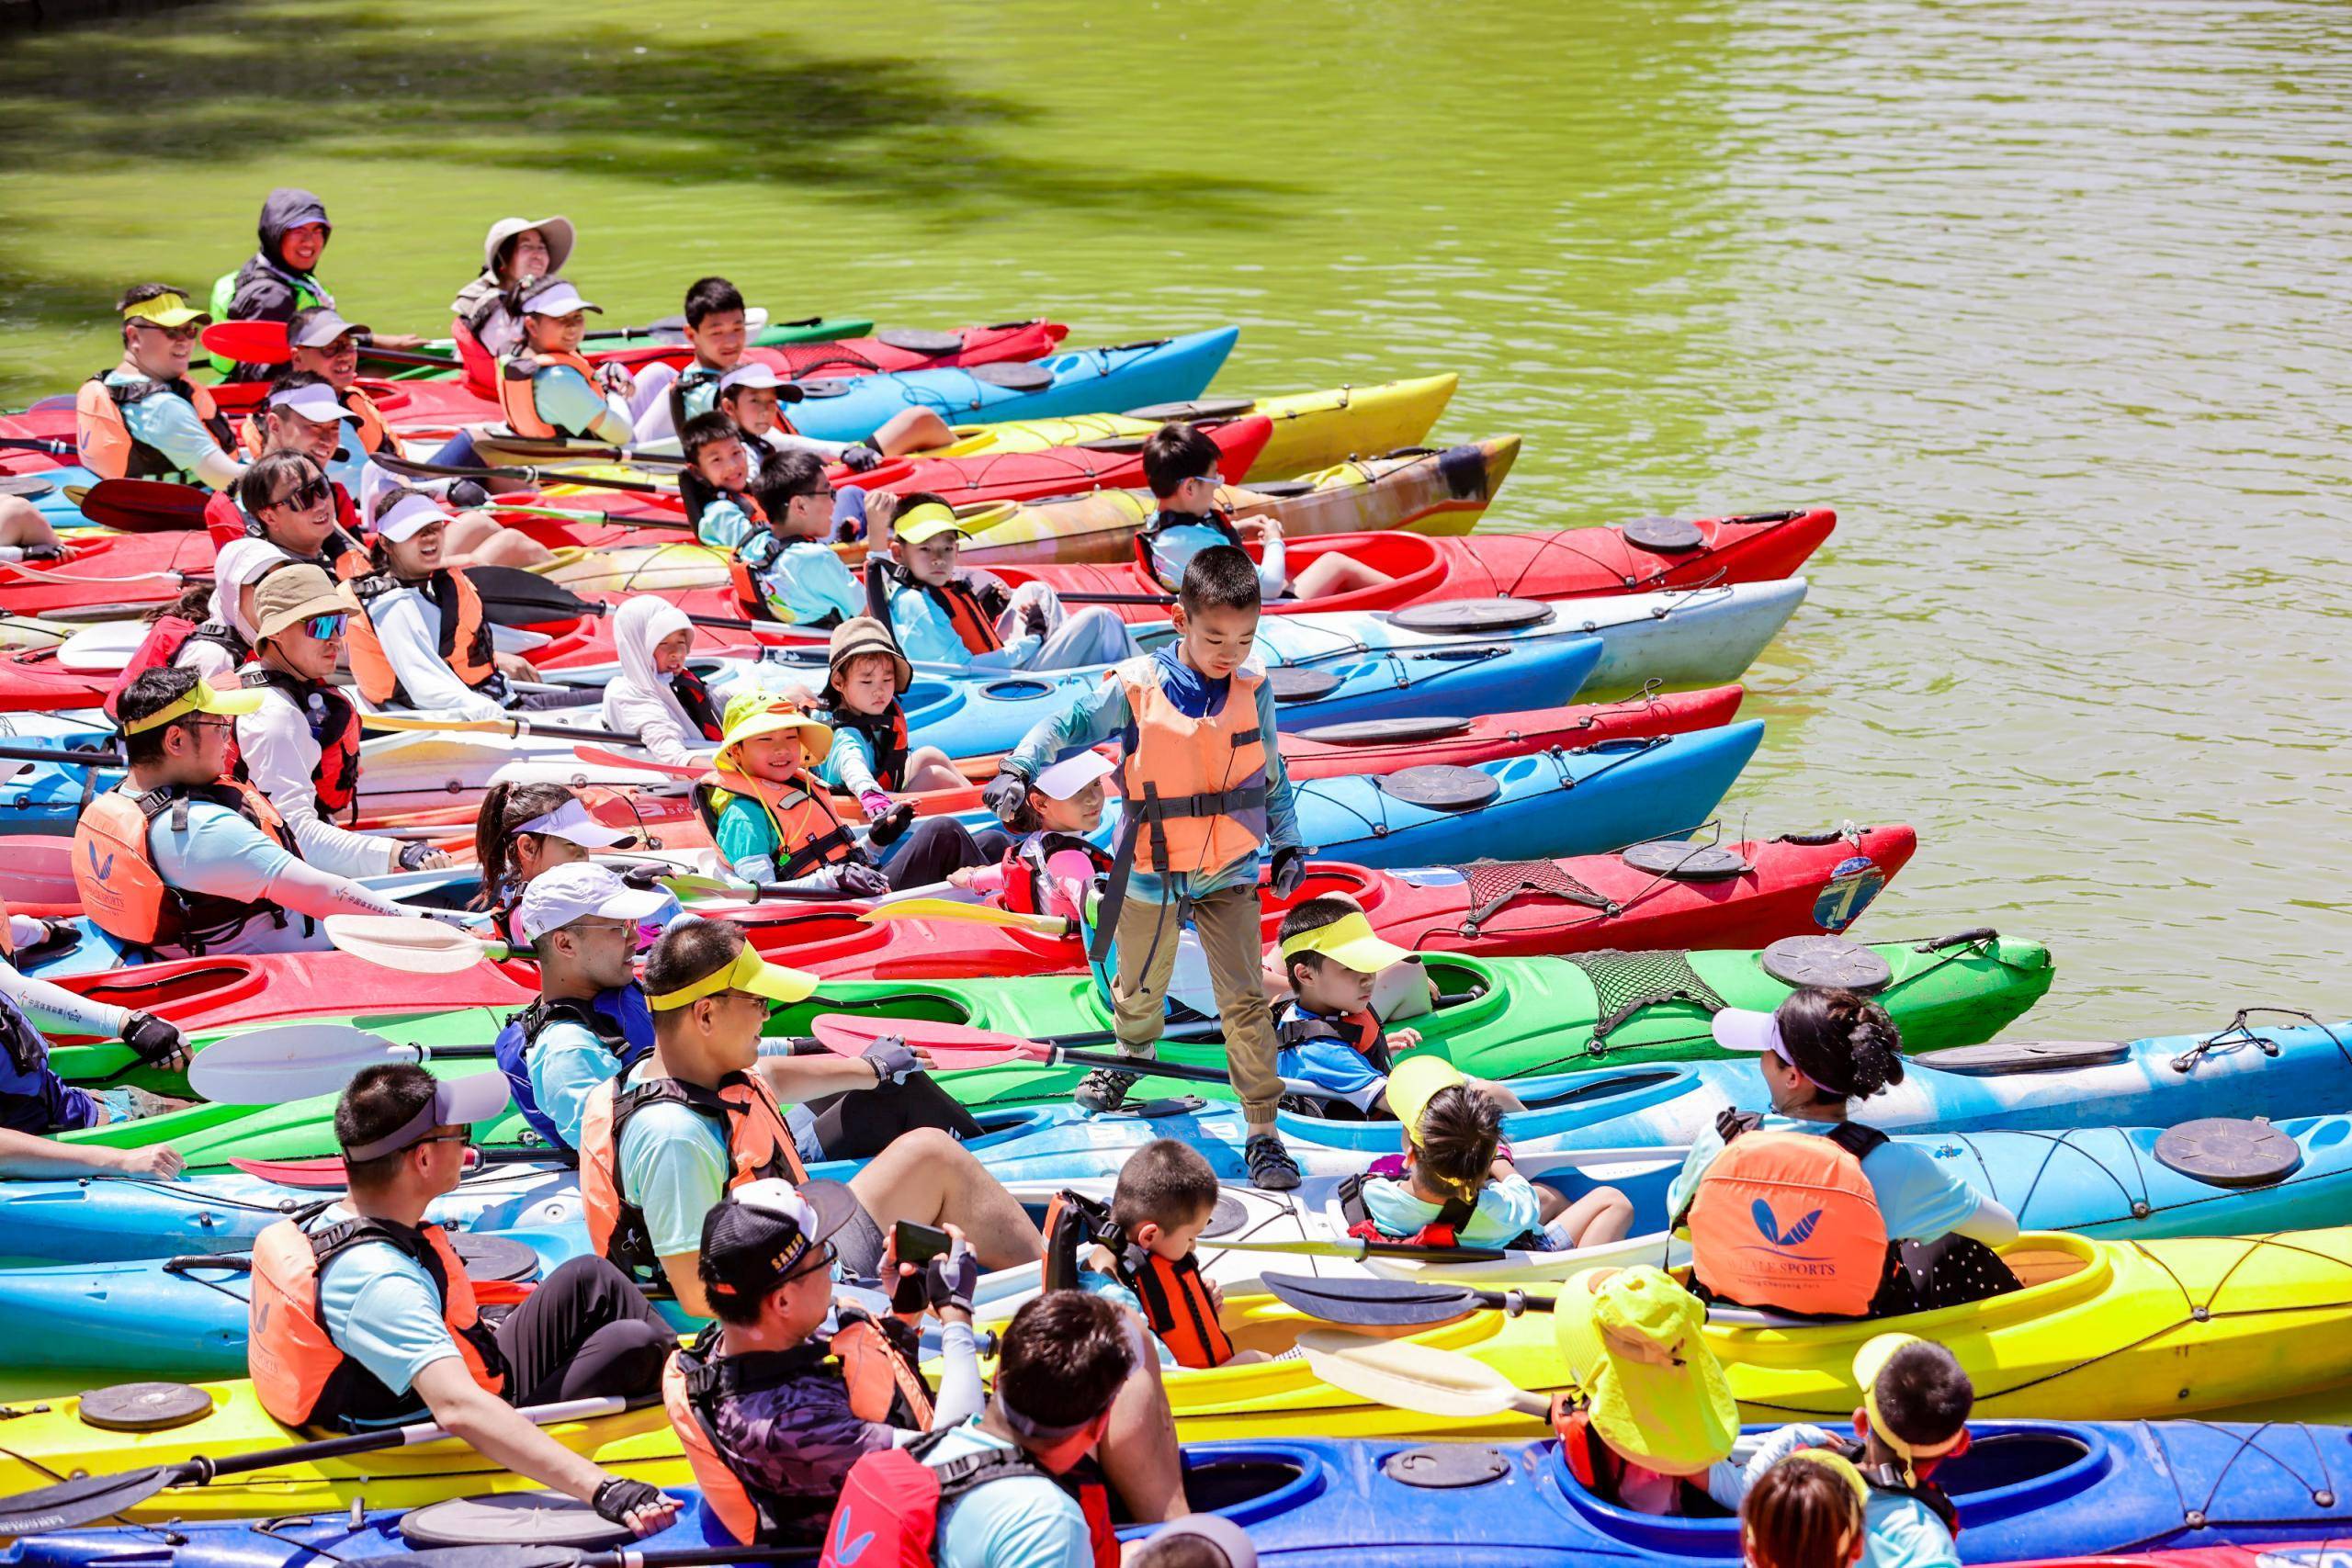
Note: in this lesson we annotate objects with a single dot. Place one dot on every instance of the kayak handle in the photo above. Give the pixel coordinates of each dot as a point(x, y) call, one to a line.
point(1960, 938)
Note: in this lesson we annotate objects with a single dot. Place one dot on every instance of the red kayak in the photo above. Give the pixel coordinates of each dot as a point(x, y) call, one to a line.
point(1794, 885)
point(889, 349)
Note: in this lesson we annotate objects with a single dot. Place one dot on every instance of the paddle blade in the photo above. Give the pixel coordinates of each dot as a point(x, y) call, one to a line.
point(1371, 1304)
point(1405, 1376)
point(256, 343)
point(290, 1061)
point(82, 1500)
point(949, 1045)
point(979, 914)
point(416, 947)
point(513, 597)
point(144, 506)
point(324, 1174)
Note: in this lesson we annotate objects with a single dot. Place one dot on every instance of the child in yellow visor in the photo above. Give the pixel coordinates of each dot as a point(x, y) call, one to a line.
point(1328, 1034)
point(1454, 1184)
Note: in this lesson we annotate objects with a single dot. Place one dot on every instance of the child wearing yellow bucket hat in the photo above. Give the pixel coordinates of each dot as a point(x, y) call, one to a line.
point(1455, 1185)
point(773, 820)
point(1913, 1416)
point(1651, 1422)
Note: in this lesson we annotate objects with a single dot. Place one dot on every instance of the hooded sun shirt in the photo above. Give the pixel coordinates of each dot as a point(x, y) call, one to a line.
point(641, 702)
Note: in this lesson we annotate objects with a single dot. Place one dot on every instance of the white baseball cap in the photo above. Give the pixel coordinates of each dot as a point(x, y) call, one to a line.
point(408, 516)
point(323, 327)
point(753, 373)
point(1749, 1032)
point(558, 299)
point(315, 402)
point(1069, 775)
point(555, 898)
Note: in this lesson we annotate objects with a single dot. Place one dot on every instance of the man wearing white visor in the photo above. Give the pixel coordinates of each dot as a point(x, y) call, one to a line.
point(367, 1318)
point(548, 390)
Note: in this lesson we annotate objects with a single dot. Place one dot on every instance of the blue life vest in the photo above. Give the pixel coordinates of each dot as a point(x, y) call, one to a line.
point(619, 1018)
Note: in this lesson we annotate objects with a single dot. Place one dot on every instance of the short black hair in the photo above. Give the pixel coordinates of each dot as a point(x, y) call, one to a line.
point(140, 293)
point(1176, 452)
point(706, 430)
point(690, 951)
point(378, 1101)
point(1219, 578)
point(1924, 1394)
point(1165, 1183)
point(707, 297)
point(287, 380)
point(1460, 1132)
point(1064, 1357)
point(794, 471)
point(267, 474)
point(1311, 915)
point(154, 690)
point(1178, 1551)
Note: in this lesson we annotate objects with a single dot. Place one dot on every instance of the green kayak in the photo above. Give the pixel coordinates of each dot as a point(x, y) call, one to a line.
point(1500, 1019)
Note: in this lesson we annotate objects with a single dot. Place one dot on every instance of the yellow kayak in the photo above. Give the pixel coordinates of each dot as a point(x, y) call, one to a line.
point(1312, 430)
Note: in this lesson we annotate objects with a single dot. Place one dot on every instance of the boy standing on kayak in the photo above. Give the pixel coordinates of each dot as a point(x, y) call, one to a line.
point(370, 1320)
point(144, 419)
point(1204, 800)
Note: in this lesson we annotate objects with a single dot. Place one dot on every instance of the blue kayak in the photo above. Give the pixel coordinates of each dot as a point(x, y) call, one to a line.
point(1086, 380)
point(2024, 1490)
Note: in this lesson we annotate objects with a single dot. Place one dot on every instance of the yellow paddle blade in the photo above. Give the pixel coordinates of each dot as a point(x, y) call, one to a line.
point(955, 909)
point(1420, 1378)
point(460, 726)
point(418, 947)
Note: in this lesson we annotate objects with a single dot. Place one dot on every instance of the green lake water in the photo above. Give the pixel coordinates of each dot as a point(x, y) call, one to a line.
point(2047, 298)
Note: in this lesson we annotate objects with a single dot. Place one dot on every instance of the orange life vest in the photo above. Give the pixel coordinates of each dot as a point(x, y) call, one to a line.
point(127, 898)
point(759, 1144)
point(334, 725)
point(1175, 1299)
point(967, 612)
point(882, 1384)
point(1789, 1220)
point(300, 1374)
point(1601, 1469)
point(464, 643)
point(1192, 790)
point(809, 834)
point(520, 404)
point(103, 438)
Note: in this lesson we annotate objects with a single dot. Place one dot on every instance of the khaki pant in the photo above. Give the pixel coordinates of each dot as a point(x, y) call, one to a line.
point(1227, 922)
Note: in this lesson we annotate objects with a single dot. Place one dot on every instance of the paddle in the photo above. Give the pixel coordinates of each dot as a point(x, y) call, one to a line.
point(326, 1173)
point(528, 475)
point(1394, 1304)
point(617, 519)
point(263, 343)
point(514, 726)
point(62, 757)
point(979, 914)
point(601, 758)
point(573, 1556)
point(953, 1047)
point(1420, 1378)
point(531, 598)
point(53, 448)
point(86, 1498)
point(524, 447)
point(144, 506)
point(414, 947)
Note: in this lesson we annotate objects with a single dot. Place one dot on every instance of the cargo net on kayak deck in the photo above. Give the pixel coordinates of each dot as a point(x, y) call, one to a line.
point(1495, 885)
point(1625, 983)
point(802, 359)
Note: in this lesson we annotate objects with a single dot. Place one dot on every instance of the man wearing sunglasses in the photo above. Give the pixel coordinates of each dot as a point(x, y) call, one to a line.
point(179, 859)
point(364, 1316)
point(300, 747)
point(143, 419)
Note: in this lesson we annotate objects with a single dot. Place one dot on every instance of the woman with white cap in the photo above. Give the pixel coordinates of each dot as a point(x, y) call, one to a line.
point(515, 253)
point(547, 389)
point(526, 830)
point(656, 697)
point(1804, 1211)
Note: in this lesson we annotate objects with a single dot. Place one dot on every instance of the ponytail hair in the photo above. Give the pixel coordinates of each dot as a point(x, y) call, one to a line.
point(1845, 1042)
point(505, 807)
point(1455, 1143)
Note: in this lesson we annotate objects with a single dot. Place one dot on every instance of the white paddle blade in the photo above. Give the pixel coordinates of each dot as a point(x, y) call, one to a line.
point(102, 649)
point(1405, 1376)
point(415, 947)
point(290, 1061)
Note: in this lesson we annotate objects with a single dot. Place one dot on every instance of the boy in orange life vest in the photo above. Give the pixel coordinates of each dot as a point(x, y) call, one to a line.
point(1454, 1183)
point(790, 1387)
point(1651, 1422)
point(1203, 797)
point(1806, 1210)
point(143, 419)
point(663, 1146)
point(1915, 1402)
point(367, 1317)
point(1164, 1199)
point(1004, 1489)
point(300, 747)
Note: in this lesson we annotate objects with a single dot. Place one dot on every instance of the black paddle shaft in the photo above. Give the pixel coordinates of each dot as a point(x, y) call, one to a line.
point(513, 597)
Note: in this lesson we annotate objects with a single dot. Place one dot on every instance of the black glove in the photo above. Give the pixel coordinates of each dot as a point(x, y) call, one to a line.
point(414, 854)
point(1005, 795)
point(618, 1498)
point(467, 495)
point(893, 823)
point(893, 1060)
point(1289, 871)
point(862, 881)
point(641, 877)
point(861, 458)
point(153, 1038)
point(949, 1279)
